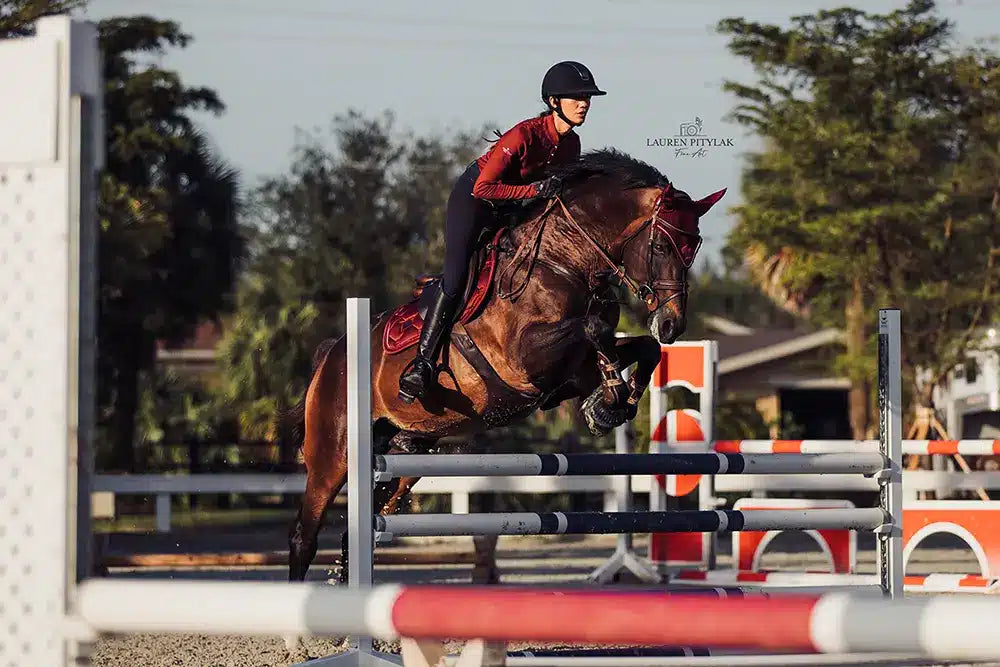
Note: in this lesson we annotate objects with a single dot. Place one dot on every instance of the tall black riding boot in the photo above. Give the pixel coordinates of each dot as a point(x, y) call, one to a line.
point(419, 373)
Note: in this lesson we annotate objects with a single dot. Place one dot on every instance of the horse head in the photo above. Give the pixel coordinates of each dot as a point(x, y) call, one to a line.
point(642, 230)
point(658, 267)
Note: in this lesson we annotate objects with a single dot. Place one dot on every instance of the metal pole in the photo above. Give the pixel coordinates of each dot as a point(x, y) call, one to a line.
point(623, 484)
point(706, 406)
point(612, 523)
point(890, 538)
point(360, 483)
point(623, 465)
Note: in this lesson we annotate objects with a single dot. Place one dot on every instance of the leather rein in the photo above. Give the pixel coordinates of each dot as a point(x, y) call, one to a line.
point(647, 292)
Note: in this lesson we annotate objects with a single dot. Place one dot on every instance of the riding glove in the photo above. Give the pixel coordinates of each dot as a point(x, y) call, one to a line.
point(548, 187)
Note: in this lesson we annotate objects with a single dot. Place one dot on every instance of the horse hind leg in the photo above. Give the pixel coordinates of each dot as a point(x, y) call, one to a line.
point(387, 496)
point(325, 453)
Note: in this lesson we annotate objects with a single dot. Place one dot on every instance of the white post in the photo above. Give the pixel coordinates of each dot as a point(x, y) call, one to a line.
point(890, 396)
point(460, 502)
point(657, 409)
point(163, 512)
point(706, 406)
point(360, 482)
point(360, 479)
point(50, 150)
point(610, 501)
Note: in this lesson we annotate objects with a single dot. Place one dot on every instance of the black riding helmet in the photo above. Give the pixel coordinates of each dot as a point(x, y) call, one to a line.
point(568, 79)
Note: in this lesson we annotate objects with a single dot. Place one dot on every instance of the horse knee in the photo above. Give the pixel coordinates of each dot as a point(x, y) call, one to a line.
point(598, 331)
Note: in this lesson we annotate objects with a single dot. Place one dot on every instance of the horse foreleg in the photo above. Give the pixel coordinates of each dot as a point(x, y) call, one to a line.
point(602, 415)
point(601, 335)
point(608, 405)
point(643, 351)
point(586, 347)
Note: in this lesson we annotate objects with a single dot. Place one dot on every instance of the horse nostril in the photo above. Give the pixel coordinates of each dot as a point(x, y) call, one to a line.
point(667, 332)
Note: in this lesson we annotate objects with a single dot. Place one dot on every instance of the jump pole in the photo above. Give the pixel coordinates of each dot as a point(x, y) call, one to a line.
point(389, 467)
point(940, 627)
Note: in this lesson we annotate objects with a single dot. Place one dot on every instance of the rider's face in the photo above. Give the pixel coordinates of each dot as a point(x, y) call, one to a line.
point(576, 108)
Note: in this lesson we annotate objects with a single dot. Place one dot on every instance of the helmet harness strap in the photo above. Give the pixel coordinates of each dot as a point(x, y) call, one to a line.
point(559, 112)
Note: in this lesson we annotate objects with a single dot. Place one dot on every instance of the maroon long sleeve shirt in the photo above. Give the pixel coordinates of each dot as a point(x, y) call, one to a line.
point(508, 168)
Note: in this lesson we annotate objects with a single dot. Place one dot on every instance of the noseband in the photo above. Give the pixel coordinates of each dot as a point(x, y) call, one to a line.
point(660, 230)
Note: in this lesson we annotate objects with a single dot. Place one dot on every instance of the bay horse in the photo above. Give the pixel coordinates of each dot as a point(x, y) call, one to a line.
point(538, 329)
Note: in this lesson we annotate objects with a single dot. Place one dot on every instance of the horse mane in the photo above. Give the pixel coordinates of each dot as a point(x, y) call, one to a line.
point(619, 171)
point(622, 169)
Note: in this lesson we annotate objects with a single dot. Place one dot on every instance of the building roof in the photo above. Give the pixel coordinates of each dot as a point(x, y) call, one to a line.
point(767, 346)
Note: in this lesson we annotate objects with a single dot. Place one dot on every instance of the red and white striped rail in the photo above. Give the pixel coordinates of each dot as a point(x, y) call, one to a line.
point(769, 578)
point(773, 580)
point(910, 447)
point(951, 583)
point(945, 627)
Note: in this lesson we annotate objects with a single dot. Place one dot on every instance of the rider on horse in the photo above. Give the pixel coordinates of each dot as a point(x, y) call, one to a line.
point(508, 171)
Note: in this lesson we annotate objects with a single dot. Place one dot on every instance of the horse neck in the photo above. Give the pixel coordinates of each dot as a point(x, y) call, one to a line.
point(563, 244)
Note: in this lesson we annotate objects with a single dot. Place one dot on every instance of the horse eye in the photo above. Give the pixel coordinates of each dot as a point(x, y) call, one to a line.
point(659, 248)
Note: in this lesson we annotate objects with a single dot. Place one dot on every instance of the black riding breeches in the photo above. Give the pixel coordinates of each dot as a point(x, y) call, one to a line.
point(464, 220)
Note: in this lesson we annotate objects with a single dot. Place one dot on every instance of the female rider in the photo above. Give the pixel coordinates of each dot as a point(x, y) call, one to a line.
point(507, 171)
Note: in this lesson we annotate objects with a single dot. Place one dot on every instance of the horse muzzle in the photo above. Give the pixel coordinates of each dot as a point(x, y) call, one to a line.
point(666, 326)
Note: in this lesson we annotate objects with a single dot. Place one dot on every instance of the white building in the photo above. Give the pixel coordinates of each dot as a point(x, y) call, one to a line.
point(969, 398)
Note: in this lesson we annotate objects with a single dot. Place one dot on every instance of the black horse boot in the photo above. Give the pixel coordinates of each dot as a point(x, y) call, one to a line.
point(419, 373)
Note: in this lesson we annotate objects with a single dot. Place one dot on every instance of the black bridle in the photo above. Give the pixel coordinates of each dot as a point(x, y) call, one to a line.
point(662, 235)
point(660, 230)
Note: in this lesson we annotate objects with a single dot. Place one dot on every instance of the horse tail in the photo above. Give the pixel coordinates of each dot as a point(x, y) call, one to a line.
point(292, 422)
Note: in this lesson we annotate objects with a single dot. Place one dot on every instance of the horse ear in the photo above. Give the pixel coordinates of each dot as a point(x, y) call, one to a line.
point(702, 205)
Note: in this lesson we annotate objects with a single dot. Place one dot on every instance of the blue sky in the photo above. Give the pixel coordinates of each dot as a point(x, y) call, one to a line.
point(441, 65)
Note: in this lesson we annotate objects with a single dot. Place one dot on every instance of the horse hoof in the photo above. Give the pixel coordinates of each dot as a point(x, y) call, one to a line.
point(600, 417)
point(595, 429)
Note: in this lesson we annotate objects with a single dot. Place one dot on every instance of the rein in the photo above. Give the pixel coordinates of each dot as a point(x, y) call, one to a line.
point(646, 292)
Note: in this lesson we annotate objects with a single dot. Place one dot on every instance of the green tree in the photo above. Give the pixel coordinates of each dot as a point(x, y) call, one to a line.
point(727, 292)
point(18, 17)
point(170, 242)
point(844, 206)
point(362, 217)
